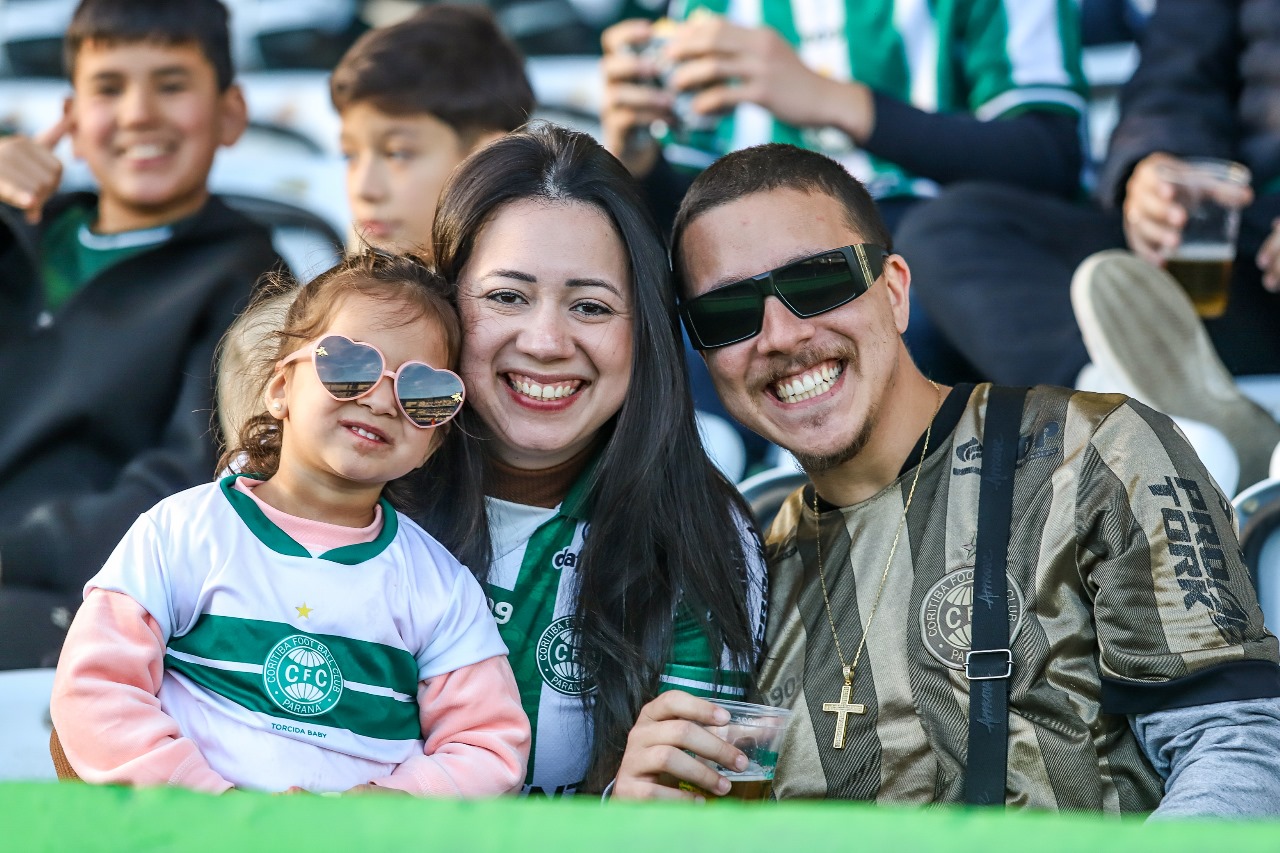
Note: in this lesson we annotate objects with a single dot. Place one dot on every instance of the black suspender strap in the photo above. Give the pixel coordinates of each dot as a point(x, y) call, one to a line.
point(989, 664)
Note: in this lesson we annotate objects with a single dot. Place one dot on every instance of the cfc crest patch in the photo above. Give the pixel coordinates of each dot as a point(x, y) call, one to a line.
point(302, 677)
point(560, 659)
point(946, 616)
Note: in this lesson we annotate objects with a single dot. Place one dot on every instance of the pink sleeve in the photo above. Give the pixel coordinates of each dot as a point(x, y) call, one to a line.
point(105, 703)
point(476, 732)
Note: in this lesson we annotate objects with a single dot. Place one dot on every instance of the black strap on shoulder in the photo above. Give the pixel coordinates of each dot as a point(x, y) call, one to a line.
point(989, 663)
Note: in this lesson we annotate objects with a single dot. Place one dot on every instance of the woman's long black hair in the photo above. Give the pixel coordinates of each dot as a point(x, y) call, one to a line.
point(663, 528)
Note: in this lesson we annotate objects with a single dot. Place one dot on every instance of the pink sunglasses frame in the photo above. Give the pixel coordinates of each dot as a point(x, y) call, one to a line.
point(310, 349)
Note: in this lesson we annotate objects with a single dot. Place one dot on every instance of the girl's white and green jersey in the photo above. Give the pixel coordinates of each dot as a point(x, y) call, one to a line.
point(532, 589)
point(990, 58)
point(292, 669)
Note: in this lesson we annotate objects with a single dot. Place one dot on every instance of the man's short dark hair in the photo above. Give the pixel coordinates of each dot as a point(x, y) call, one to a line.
point(763, 168)
point(169, 22)
point(451, 62)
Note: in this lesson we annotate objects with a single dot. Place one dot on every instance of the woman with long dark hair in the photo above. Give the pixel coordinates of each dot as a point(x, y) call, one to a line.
point(617, 560)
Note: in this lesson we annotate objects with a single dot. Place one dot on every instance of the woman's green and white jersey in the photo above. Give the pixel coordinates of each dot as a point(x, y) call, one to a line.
point(532, 589)
point(291, 669)
point(990, 58)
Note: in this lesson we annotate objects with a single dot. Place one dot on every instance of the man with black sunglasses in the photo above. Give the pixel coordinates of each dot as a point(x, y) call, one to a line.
point(988, 595)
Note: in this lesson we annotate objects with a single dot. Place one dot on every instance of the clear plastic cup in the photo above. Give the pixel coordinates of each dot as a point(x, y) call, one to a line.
point(1212, 192)
point(757, 731)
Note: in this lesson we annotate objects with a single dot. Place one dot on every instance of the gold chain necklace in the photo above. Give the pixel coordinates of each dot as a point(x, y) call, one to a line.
point(843, 708)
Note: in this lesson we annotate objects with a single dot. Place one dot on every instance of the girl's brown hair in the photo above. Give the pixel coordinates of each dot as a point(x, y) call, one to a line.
point(414, 289)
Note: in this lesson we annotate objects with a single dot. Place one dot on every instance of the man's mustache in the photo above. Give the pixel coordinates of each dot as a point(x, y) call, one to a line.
point(781, 367)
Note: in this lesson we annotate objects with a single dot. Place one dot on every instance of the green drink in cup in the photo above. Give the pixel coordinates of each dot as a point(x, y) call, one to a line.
point(757, 731)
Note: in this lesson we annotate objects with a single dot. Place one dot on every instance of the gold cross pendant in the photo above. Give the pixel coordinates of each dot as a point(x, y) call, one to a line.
point(842, 710)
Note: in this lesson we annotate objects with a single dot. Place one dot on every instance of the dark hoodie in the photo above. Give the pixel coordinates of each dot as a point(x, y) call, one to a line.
point(108, 401)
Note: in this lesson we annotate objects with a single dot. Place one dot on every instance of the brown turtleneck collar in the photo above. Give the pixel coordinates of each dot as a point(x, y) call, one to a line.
point(546, 487)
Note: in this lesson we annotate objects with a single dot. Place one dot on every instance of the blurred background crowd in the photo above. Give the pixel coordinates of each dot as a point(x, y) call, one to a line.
point(289, 165)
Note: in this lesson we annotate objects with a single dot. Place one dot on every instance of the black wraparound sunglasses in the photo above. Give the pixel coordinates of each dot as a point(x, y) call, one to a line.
point(808, 287)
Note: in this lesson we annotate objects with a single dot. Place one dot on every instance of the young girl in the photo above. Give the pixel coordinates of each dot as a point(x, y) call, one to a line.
point(289, 629)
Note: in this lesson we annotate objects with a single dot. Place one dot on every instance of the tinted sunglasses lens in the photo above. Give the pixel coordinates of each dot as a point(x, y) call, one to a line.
point(429, 397)
point(726, 315)
point(347, 369)
point(818, 284)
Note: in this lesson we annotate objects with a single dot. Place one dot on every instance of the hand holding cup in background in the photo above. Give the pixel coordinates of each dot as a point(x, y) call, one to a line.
point(1184, 214)
point(701, 69)
point(1212, 192)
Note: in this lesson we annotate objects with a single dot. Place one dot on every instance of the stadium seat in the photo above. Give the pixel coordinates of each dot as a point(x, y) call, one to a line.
point(25, 725)
point(1258, 515)
point(723, 445)
point(1215, 452)
point(766, 491)
point(308, 243)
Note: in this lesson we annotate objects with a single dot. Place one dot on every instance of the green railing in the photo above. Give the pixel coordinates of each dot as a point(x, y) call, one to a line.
point(47, 816)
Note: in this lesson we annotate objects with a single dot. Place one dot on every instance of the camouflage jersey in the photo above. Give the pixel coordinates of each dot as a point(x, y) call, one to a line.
point(1127, 595)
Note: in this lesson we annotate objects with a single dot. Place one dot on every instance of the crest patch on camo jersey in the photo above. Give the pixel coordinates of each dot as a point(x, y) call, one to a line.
point(946, 616)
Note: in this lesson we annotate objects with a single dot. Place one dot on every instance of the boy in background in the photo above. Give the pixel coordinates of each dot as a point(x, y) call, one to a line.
point(112, 304)
point(415, 99)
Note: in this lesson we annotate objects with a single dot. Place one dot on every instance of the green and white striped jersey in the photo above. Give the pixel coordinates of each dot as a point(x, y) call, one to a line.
point(991, 58)
point(533, 588)
point(291, 669)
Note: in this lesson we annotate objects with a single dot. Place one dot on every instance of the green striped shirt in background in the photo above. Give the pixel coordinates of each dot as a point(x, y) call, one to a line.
point(991, 58)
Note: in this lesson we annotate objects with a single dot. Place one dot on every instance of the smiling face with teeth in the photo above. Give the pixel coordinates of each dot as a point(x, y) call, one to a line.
point(546, 308)
point(342, 447)
point(148, 118)
point(822, 387)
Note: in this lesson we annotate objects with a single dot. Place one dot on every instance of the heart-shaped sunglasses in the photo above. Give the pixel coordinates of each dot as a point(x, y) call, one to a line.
point(349, 370)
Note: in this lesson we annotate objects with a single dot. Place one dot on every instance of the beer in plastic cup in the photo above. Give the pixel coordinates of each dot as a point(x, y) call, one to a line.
point(757, 731)
point(1210, 191)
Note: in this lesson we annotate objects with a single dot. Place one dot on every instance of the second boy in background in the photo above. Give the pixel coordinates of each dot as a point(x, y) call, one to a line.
point(415, 99)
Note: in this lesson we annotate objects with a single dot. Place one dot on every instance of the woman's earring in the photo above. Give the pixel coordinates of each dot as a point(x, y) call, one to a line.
point(275, 406)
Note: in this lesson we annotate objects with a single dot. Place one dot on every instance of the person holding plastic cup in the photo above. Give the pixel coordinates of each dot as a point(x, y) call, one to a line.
point(701, 749)
point(617, 561)
point(998, 97)
point(985, 595)
point(756, 731)
point(1210, 194)
point(1204, 88)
